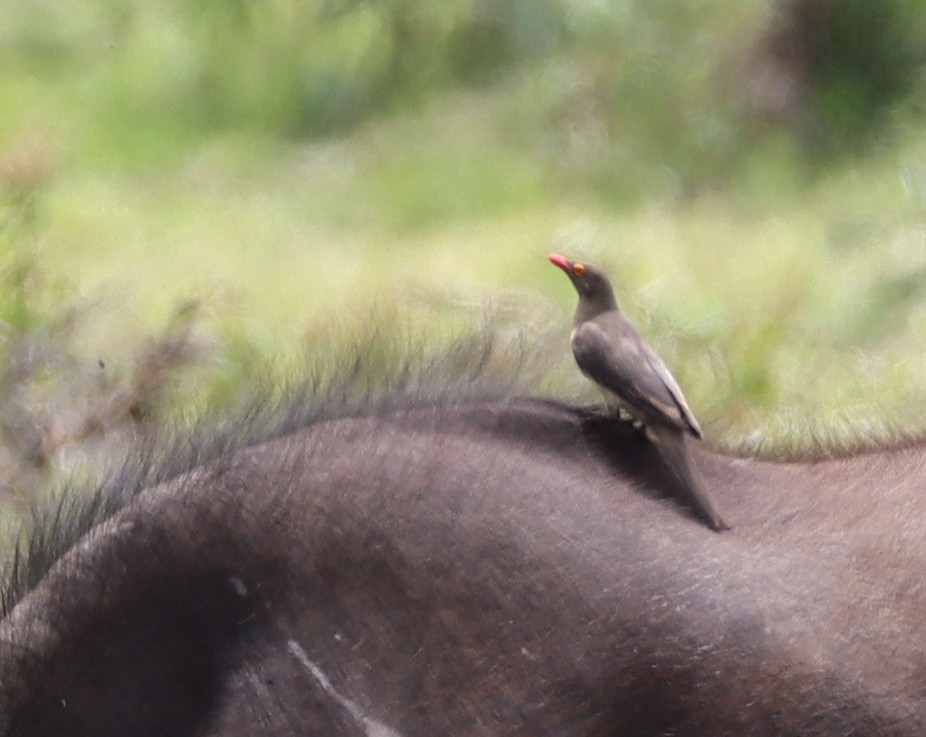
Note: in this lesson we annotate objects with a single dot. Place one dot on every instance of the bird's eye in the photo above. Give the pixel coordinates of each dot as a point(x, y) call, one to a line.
point(578, 269)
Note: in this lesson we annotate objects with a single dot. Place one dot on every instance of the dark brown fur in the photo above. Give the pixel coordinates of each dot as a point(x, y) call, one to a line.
point(481, 567)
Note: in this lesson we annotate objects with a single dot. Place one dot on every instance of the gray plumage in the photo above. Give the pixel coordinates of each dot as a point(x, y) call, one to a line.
point(610, 352)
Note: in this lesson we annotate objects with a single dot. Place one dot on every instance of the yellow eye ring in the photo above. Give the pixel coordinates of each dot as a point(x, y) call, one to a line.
point(578, 269)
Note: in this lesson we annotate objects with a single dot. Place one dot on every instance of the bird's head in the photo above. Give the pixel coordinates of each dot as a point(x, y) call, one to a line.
point(590, 281)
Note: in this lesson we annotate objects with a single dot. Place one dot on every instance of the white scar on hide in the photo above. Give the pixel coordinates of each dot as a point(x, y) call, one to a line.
point(371, 727)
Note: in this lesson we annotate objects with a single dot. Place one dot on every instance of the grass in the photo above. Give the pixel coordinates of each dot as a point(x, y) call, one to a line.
point(138, 175)
point(825, 276)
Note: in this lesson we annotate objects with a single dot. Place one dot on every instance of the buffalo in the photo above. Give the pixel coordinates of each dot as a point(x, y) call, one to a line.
point(453, 557)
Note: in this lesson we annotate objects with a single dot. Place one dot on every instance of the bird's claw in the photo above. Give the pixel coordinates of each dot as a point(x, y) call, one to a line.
point(638, 425)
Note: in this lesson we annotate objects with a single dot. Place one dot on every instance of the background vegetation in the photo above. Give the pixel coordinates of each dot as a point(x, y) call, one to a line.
point(190, 188)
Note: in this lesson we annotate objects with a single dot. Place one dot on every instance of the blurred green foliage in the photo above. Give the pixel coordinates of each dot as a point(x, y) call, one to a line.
point(648, 95)
point(753, 174)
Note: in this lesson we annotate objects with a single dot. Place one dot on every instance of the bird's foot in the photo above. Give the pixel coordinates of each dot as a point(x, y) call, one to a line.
point(639, 427)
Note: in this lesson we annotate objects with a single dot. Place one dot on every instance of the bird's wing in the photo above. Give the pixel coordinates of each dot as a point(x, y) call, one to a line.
point(674, 389)
point(611, 353)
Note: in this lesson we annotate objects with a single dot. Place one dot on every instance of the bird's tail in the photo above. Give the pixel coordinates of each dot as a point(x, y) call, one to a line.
point(673, 447)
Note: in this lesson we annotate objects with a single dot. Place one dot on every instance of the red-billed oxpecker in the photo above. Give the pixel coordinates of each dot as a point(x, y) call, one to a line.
point(610, 352)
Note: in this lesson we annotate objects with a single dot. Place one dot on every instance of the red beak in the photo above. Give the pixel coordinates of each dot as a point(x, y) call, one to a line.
point(564, 263)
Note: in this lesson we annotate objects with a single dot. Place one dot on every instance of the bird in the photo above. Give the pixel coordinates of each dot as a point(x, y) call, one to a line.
point(610, 352)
